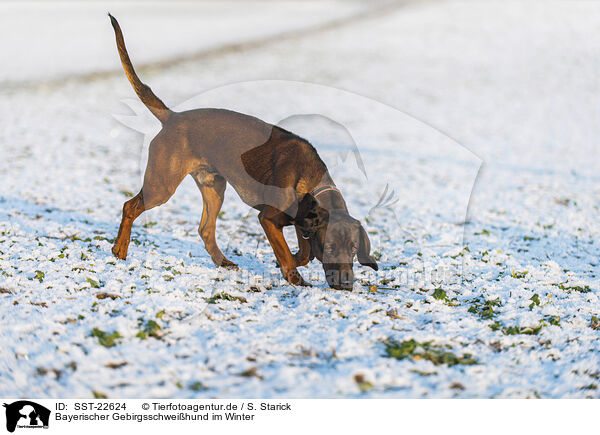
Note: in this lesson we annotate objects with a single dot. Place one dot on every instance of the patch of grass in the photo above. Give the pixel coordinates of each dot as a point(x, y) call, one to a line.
point(92, 282)
point(39, 275)
point(197, 386)
point(363, 384)
point(460, 254)
point(116, 365)
point(43, 371)
point(577, 288)
point(526, 330)
point(519, 275)
point(149, 329)
point(252, 372)
point(440, 295)
point(552, 320)
point(99, 395)
point(591, 386)
point(422, 373)
point(530, 238)
point(393, 314)
point(104, 338)
point(107, 296)
point(595, 323)
point(517, 330)
point(484, 308)
point(535, 301)
point(174, 271)
point(225, 297)
point(427, 350)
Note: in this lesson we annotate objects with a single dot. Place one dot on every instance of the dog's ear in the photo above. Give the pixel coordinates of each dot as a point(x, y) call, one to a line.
point(364, 250)
point(310, 216)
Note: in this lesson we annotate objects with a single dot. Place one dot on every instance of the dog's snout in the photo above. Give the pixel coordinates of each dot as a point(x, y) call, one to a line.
point(340, 278)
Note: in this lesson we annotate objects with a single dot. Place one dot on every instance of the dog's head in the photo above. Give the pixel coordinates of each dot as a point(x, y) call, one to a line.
point(335, 238)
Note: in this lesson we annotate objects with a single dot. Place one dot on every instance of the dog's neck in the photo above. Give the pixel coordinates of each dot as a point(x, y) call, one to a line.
point(329, 197)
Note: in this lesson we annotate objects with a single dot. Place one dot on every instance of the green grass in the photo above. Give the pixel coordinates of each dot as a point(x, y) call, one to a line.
point(149, 329)
point(577, 288)
point(92, 282)
point(519, 275)
point(197, 386)
point(484, 308)
point(518, 330)
point(39, 275)
point(535, 301)
point(105, 339)
point(224, 297)
point(440, 295)
point(429, 351)
point(552, 320)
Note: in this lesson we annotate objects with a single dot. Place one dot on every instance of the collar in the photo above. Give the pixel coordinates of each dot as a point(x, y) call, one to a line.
point(325, 188)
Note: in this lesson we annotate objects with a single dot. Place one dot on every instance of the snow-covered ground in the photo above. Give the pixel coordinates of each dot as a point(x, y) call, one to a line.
point(445, 87)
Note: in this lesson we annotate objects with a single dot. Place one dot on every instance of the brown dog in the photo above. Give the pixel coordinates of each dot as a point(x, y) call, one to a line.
point(270, 169)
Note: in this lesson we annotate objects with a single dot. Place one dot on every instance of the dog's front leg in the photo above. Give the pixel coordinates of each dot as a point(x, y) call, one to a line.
point(302, 257)
point(270, 219)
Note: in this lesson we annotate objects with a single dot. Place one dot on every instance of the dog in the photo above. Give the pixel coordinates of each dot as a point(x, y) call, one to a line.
point(274, 171)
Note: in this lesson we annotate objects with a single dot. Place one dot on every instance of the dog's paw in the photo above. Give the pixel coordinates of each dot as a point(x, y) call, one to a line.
point(294, 277)
point(119, 251)
point(227, 264)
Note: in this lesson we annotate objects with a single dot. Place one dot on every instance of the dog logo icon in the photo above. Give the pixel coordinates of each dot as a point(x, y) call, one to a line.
point(26, 414)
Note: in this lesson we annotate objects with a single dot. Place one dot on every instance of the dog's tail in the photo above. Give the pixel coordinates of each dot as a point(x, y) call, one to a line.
point(152, 102)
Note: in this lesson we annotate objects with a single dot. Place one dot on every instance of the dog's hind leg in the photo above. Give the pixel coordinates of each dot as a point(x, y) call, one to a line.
point(131, 210)
point(163, 174)
point(213, 191)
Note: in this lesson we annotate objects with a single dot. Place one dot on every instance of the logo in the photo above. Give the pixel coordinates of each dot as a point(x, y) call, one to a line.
point(26, 414)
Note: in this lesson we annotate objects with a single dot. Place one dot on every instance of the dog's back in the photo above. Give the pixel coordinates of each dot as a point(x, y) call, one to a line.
point(258, 159)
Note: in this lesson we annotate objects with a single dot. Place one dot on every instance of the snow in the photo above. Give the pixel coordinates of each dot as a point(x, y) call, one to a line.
point(476, 112)
point(66, 38)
